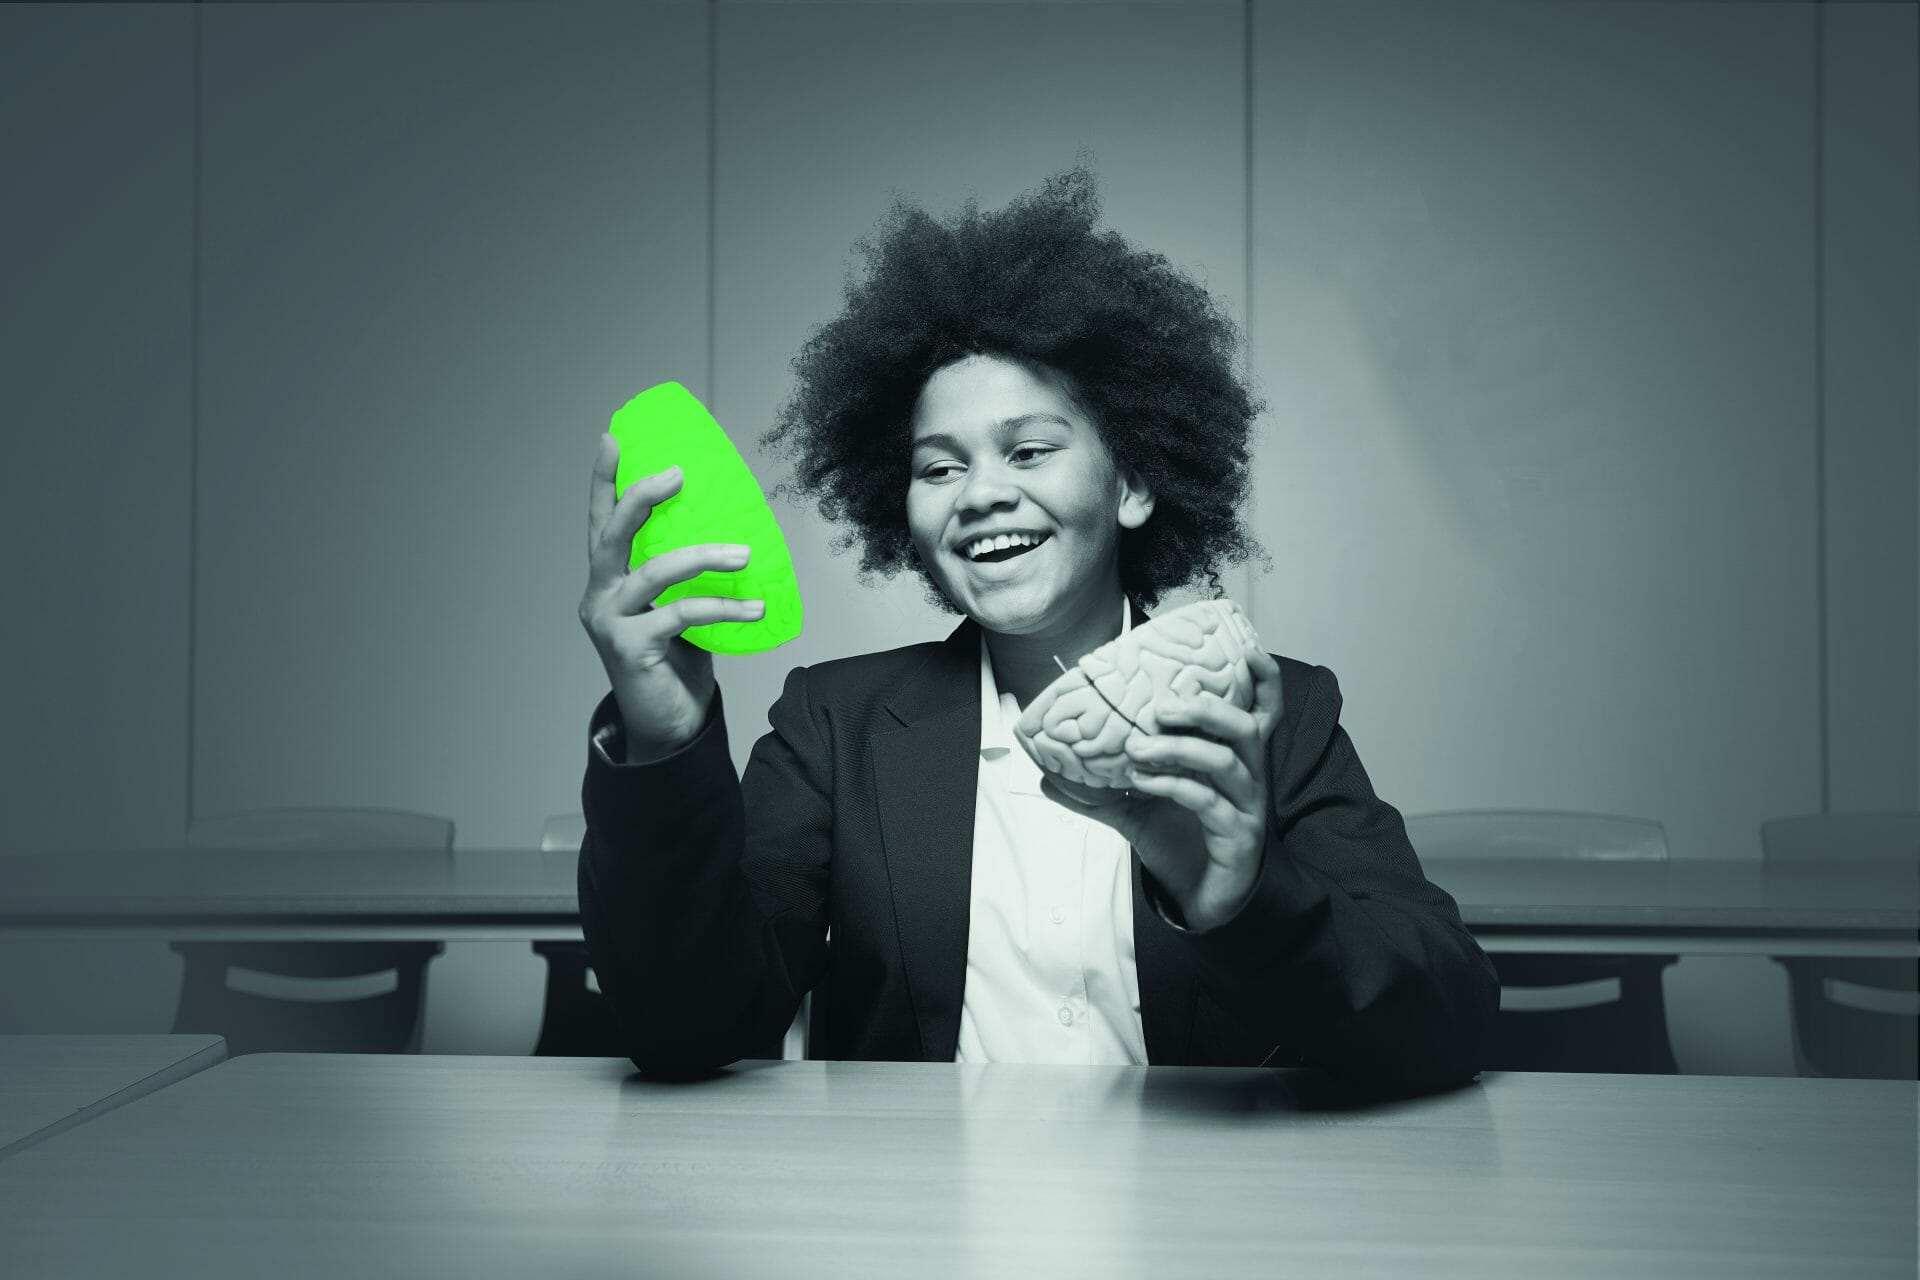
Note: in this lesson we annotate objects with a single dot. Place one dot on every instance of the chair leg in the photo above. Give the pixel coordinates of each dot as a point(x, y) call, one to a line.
point(575, 1020)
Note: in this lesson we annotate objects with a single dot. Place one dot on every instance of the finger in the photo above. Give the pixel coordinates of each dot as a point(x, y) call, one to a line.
point(1217, 815)
point(638, 590)
point(1078, 795)
point(1053, 791)
point(1267, 700)
point(1222, 767)
point(612, 551)
point(1213, 715)
point(600, 493)
point(1170, 751)
point(1207, 713)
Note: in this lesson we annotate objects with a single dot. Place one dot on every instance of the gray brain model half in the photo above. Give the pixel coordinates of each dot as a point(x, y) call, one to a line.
point(1078, 726)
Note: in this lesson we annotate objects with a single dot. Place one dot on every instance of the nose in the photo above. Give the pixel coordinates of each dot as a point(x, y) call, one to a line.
point(984, 489)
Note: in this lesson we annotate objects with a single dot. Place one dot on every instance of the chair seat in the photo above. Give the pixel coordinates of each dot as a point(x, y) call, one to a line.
point(1830, 1037)
point(1836, 1040)
point(261, 1022)
point(1627, 1035)
point(1624, 1033)
point(386, 1023)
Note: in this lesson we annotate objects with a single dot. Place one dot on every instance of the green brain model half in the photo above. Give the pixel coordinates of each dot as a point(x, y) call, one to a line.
point(718, 501)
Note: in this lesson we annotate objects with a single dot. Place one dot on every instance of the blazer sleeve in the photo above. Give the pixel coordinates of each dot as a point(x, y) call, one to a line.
point(703, 896)
point(1346, 951)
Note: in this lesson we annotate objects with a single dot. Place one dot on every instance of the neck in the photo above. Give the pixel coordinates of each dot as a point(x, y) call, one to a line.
point(1023, 665)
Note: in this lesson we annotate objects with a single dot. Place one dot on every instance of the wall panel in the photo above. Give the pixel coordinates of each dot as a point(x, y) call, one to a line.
point(442, 244)
point(96, 405)
point(1533, 290)
point(825, 110)
point(1870, 343)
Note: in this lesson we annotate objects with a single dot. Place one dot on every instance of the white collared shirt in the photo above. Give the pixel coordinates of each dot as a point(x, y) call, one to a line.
point(1050, 965)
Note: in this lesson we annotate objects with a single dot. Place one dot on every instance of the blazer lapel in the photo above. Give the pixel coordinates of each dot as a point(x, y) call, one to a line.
point(927, 776)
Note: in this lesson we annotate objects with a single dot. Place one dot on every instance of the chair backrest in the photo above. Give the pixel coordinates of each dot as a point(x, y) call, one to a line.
point(1822, 837)
point(1561, 1012)
point(289, 996)
point(563, 831)
point(321, 828)
point(1535, 833)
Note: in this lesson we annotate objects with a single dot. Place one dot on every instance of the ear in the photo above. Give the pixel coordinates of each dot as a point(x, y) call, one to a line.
point(1136, 500)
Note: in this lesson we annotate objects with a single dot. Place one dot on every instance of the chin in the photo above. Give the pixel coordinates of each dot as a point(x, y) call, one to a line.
point(1011, 619)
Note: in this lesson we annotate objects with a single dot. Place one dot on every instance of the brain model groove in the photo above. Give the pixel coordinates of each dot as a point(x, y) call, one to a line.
point(1078, 726)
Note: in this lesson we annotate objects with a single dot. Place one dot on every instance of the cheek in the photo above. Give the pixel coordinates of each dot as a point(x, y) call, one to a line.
point(923, 526)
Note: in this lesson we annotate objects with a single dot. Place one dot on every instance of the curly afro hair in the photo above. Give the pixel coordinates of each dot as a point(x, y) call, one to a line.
point(1137, 347)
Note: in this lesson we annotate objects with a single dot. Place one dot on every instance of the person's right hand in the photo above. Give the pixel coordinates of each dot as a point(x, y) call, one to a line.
point(662, 684)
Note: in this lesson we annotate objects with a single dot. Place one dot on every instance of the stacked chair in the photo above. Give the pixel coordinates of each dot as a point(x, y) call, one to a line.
point(1852, 1016)
point(1564, 1012)
point(310, 997)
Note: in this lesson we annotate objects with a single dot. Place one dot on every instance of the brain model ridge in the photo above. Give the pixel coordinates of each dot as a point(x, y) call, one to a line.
point(1078, 726)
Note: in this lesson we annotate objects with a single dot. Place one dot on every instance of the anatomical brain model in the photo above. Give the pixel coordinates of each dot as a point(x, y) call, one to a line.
point(1077, 727)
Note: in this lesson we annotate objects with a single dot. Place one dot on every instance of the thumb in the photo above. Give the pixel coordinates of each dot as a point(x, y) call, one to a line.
point(1079, 797)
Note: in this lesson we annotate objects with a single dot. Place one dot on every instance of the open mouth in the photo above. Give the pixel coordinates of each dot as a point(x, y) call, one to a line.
point(1008, 553)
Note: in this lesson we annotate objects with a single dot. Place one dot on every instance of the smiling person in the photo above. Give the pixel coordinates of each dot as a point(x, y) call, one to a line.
point(1045, 426)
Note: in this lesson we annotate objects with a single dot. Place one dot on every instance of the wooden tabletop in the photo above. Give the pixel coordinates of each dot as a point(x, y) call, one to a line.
point(326, 1165)
point(49, 1084)
point(524, 892)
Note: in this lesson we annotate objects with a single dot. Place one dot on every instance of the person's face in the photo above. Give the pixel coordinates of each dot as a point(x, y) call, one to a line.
point(977, 468)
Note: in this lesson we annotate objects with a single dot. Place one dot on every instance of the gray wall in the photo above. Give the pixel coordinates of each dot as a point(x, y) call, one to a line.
point(1587, 331)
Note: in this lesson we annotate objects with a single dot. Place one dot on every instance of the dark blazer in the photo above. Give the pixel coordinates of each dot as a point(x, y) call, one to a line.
point(706, 899)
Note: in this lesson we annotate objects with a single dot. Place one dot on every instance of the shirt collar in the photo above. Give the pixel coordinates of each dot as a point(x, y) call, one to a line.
point(999, 711)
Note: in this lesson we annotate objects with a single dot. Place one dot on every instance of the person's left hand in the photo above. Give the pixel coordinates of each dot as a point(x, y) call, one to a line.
point(1200, 835)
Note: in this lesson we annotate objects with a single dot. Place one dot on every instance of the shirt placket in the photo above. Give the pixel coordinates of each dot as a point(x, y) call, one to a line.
point(1061, 918)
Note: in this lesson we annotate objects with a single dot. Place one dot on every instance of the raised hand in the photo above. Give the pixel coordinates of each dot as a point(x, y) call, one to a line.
point(1196, 804)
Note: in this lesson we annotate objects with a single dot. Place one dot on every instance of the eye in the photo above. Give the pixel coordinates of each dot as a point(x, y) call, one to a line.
point(933, 471)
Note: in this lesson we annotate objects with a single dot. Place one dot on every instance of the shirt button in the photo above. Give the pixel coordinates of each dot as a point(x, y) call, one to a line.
point(1064, 819)
point(1066, 1016)
point(1059, 916)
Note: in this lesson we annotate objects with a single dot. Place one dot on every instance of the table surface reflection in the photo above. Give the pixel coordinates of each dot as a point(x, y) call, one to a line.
point(320, 1165)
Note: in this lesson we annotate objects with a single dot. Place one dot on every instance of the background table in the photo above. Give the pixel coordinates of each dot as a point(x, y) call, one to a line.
point(49, 1084)
point(1719, 907)
point(1511, 904)
point(323, 1165)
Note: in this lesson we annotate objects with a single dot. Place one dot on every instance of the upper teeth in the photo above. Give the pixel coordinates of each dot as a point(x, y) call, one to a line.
point(980, 548)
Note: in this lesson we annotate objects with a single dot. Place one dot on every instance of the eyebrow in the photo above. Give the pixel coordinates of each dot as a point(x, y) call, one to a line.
point(1003, 427)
